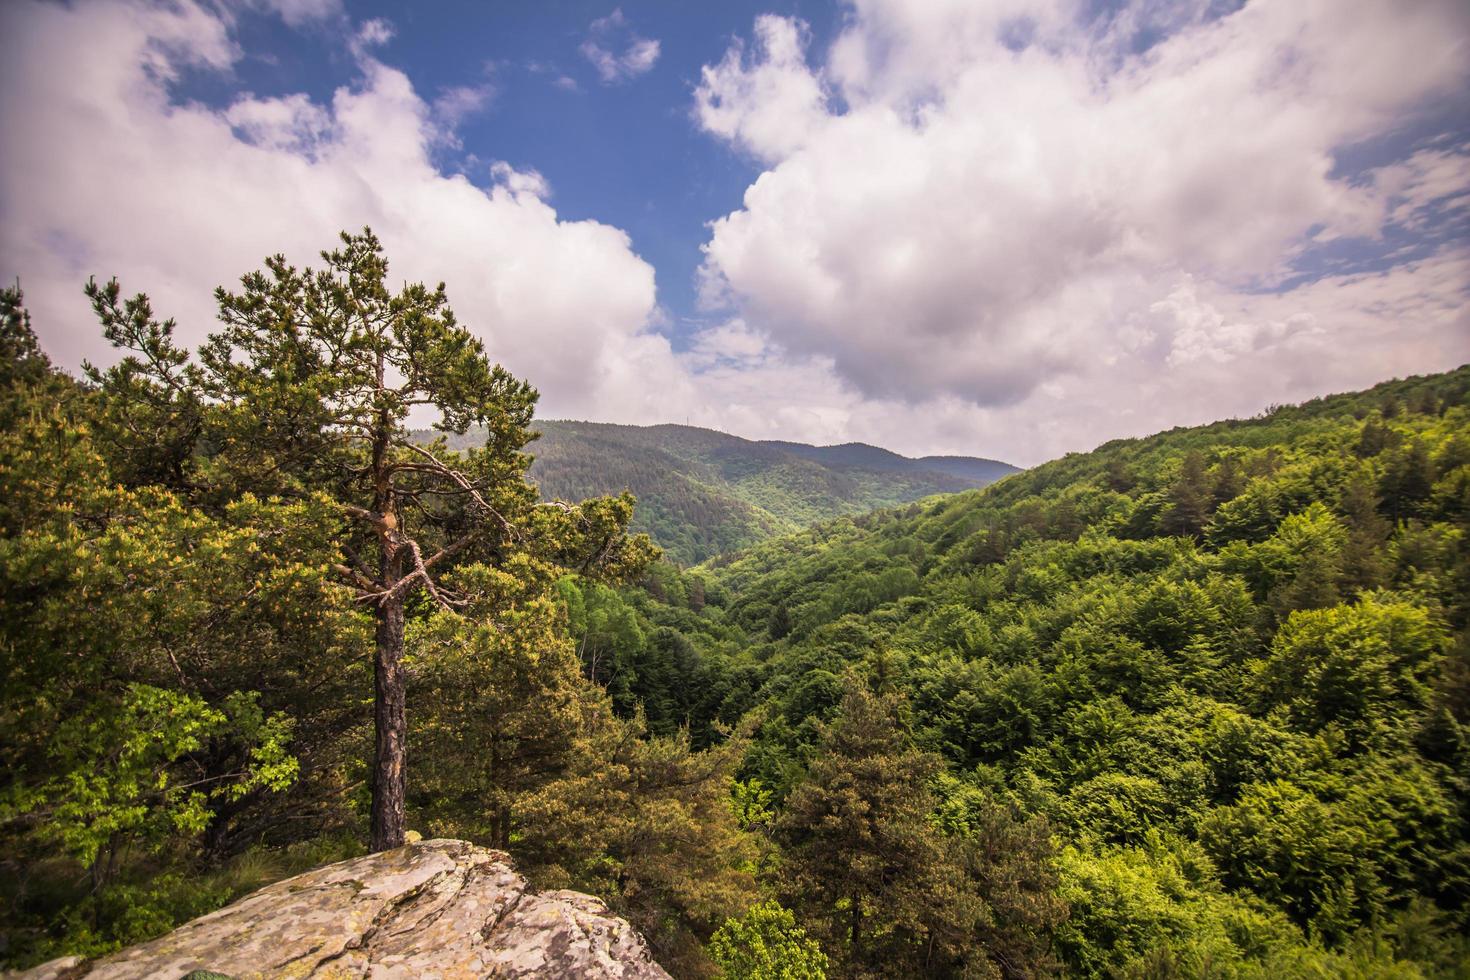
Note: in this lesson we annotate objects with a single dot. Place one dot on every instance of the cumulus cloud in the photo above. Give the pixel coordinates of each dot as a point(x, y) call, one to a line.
point(616, 51)
point(996, 229)
point(767, 101)
point(293, 123)
point(186, 197)
point(518, 182)
point(991, 205)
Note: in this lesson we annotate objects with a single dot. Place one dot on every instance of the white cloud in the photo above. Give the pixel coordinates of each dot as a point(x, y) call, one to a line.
point(518, 182)
point(369, 35)
point(559, 79)
point(297, 13)
point(1200, 354)
point(1432, 182)
point(610, 35)
point(459, 102)
point(186, 197)
point(981, 205)
point(293, 123)
point(453, 105)
point(982, 228)
point(770, 103)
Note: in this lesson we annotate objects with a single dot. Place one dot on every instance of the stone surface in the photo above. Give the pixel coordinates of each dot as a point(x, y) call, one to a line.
point(438, 910)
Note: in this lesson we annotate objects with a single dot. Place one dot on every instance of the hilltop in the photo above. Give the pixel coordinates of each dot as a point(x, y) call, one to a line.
point(702, 492)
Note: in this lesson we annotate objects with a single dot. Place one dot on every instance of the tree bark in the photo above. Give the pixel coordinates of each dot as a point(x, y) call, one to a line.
point(390, 720)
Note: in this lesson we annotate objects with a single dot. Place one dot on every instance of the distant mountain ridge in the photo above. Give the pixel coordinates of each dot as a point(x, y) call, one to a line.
point(702, 492)
point(976, 471)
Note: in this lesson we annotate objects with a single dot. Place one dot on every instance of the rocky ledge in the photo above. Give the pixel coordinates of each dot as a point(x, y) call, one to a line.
point(435, 909)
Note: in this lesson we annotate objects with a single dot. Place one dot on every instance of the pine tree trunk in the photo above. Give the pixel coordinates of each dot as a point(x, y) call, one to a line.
point(390, 721)
point(390, 712)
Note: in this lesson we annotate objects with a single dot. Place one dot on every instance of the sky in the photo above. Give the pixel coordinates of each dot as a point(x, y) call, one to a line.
point(1014, 229)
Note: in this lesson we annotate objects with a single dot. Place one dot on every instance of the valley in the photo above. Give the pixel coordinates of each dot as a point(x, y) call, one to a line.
point(701, 492)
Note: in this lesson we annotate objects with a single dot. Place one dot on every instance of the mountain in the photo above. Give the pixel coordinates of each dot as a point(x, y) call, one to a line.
point(701, 492)
point(976, 472)
point(1226, 669)
point(982, 471)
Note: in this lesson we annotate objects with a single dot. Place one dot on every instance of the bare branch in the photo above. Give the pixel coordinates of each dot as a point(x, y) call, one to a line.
point(357, 578)
point(363, 514)
point(420, 572)
point(450, 551)
point(447, 471)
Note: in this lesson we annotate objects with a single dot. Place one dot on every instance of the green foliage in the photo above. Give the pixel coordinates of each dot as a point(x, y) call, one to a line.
point(1191, 705)
point(766, 944)
point(1225, 666)
point(646, 822)
point(891, 889)
point(193, 555)
point(1362, 668)
point(115, 768)
point(21, 359)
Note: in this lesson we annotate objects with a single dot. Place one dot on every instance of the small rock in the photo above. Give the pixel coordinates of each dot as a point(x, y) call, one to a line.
point(61, 969)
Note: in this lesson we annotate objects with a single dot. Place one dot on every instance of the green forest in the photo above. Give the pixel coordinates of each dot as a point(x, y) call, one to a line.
point(1193, 705)
point(702, 493)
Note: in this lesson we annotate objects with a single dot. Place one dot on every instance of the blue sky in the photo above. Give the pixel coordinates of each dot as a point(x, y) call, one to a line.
point(1011, 229)
point(626, 153)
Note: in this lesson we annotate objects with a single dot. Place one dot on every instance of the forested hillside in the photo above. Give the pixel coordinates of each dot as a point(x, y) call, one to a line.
point(233, 589)
point(1190, 705)
point(702, 493)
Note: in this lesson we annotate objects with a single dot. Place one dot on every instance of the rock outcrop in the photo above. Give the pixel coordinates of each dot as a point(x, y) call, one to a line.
point(435, 909)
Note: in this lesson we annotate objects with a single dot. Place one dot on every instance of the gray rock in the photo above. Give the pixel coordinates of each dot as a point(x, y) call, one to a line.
point(437, 910)
point(53, 969)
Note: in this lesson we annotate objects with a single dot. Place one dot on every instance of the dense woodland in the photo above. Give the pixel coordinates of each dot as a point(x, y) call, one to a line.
point(1191, 705)
point(702, 493)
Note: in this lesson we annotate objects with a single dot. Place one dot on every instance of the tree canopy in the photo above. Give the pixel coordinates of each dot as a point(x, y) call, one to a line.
point(1195, 704)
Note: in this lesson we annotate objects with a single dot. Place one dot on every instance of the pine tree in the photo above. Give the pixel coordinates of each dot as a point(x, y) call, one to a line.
point(646, 823)
point(1374, 438)
point(135, 713)
point(504, 706)
point(1407, 481)
point(864, 864)
point(21, 358)
point(1364, 559)
point(778, 626)
point(1229, 482)
point(1190, 498)
point(306, 393)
